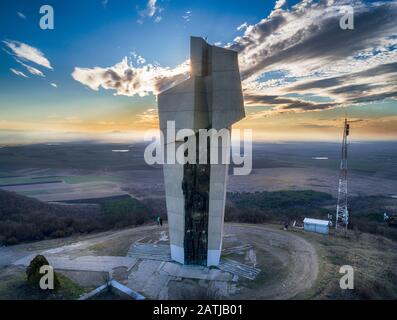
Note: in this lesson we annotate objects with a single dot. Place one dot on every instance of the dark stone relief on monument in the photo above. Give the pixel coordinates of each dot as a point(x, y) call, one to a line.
point(195, 186)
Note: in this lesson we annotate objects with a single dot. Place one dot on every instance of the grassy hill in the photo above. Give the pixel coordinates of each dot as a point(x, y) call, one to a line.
point(25, 219)
point(277, 206)
point(366, 212)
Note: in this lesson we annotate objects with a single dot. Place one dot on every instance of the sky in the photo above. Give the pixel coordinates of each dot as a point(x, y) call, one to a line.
point(96, 75)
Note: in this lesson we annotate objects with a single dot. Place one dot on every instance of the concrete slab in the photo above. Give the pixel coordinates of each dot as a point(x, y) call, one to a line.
point(138, 279)
point(154, 285)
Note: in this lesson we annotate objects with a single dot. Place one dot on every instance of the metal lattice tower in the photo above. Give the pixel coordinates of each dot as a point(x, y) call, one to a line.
point(342, 212)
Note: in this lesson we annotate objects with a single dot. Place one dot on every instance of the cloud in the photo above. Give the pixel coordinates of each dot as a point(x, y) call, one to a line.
point(152, 10)
point(242, 26)
point(306, 45)
point(149, 116)
point(293, 51)
point(284, 104)
point(279, 4)
point(106, 123)
point(31, 69)
point(54, 85)
point(139, 59)
point(187, 16)
point(18, 73)
point(128, 80)
point(308, 37)
point(26, 52)
point(373, 84)
point(383, 70)
point(21, 15)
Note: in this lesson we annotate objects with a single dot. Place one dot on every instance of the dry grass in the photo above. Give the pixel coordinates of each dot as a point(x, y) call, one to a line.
point(14, 286)
point(374, 259)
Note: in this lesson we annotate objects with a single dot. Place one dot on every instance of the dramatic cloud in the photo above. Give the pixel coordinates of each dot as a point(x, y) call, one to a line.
point(304, 50)
point(308, 37)
point(373, 84)
point(128, 80)
point(26, 52)
point(284, 105)
point(18, 73)
point(295, 60)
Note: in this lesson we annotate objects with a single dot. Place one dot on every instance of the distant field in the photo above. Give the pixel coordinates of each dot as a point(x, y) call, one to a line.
point(99, 200)
point(89, 170)
point(30, 180)
point(84, 179)
point(63, 188)
point(53, 158)
point(15, 181)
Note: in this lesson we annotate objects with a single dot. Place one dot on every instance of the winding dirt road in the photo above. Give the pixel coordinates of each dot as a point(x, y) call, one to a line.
point(296, 260)
point(288, 262)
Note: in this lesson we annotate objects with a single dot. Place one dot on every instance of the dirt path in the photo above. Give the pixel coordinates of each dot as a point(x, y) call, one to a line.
point(296, 257)
point(76, 246)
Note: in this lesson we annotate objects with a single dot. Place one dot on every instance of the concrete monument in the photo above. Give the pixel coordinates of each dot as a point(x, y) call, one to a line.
point(195, 192)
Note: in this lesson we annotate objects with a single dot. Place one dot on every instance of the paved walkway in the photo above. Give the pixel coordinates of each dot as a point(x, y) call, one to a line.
point(87, 263)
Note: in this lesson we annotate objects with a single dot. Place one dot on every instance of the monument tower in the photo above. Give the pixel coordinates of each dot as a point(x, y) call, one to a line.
point(211, 98)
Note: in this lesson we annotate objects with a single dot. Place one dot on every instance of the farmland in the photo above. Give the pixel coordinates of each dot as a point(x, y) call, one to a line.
point(76, 171)
point(60, 193)
point(63, 188)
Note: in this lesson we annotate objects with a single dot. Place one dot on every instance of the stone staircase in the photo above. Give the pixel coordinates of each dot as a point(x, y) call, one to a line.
point(239, 269)
point(161, 252)
point(236, 249)
point(150, 251)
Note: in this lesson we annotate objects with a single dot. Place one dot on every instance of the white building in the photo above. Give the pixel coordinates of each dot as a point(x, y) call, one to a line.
point(316, 225)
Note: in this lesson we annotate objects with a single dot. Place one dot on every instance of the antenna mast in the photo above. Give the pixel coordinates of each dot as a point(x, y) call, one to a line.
point(342, 213)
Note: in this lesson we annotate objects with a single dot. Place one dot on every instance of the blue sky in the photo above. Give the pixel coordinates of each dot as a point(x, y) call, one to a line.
point(96, 34)
point(87, 33)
